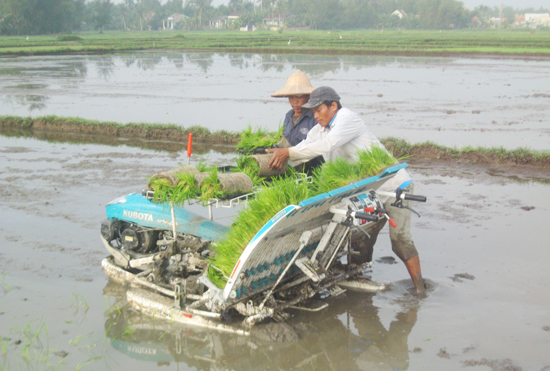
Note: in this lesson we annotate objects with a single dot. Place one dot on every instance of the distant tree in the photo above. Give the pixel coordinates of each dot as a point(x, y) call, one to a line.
point(101, 13)
point(251, 19)
point(440, 14)
point(200, 8)
point(40, 16)
point(316, 14)
point(236, 5)
point(357, 14)
point(173, 7)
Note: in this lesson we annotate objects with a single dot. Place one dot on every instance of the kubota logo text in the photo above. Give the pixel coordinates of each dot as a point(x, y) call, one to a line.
point(136, 215)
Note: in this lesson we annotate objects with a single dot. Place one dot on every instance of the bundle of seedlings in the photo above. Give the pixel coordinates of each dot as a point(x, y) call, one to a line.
point(264, 170)
point(248, 166)
point(252, 139)
point(172, 175)
point(214, 184)
point(271, 199)
point(175, 186)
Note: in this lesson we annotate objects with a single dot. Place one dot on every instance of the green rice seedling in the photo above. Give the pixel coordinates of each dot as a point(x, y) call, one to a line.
point(128, 331)
point(249, 166)
point(371, 162)
point(165, 192)
point(163, 189)
point(271, 199)
point(4, 287)
point(342, 172)
point(252, 173)
point(77, 302)
point(88, 361)
point(210, 187)
point(258, 138)
point(80, 338)
point(202, 166)
point(334, 175)
point(244, 161)
point(186, 188)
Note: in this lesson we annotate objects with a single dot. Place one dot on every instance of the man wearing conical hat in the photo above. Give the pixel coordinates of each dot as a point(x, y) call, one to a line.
point(298, 121)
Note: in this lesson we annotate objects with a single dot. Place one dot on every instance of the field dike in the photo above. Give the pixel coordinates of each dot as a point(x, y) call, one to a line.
point(173, 138)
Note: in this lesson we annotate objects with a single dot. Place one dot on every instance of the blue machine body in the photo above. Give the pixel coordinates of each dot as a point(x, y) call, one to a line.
point(136, 208)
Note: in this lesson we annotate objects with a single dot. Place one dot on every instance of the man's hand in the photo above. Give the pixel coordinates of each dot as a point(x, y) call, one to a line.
point(279, 157)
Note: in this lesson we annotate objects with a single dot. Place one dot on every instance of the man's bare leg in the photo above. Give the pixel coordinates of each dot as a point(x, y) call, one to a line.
point(413, 266)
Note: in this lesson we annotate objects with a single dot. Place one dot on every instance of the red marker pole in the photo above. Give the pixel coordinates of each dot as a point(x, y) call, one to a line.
point(189, 148)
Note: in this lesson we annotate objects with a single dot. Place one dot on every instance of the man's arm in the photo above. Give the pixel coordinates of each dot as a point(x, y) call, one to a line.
point(348, 128)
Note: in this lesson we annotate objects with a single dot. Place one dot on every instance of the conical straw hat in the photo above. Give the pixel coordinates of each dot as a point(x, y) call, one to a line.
point(297, 84)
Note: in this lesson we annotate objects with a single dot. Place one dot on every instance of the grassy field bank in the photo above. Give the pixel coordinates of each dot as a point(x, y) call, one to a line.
point(505, 42)
point(166, 137)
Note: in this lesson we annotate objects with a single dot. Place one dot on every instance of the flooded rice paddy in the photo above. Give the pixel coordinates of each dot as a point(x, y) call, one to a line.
point(452, 101)
point(482, 237)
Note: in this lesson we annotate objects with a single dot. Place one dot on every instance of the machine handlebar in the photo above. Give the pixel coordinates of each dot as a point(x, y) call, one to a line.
point(365, 216)
point(400, 195)
point(415, 197)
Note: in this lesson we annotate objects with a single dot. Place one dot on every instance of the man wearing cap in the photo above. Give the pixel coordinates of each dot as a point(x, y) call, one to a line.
point(298, 121)
point(342, 133)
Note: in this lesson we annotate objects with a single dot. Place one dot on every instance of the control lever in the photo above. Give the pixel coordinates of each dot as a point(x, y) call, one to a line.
point(400, 195)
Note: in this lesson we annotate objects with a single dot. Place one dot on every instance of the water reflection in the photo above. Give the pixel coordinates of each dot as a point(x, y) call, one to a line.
point(241, 61)
point(105, 67)
point(202, 60)
point(148, 62)
point(31, 101)
point(349, 335)
point(28, 86)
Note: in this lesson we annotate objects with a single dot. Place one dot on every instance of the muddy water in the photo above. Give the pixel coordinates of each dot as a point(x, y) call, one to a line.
point(451, 101)
point(483, 241)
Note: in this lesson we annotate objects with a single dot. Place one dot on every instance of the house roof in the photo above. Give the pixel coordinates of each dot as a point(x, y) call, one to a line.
point(399, 11)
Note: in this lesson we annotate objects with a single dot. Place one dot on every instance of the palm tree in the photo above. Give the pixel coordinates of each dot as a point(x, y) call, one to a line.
point(199, 7)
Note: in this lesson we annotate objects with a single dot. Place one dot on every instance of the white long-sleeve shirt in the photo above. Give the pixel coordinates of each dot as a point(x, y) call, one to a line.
point(347, 135)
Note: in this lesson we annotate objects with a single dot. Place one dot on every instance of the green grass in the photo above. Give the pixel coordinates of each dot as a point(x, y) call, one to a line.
point(113, 129)
point(304, 41)
point(434, 152)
